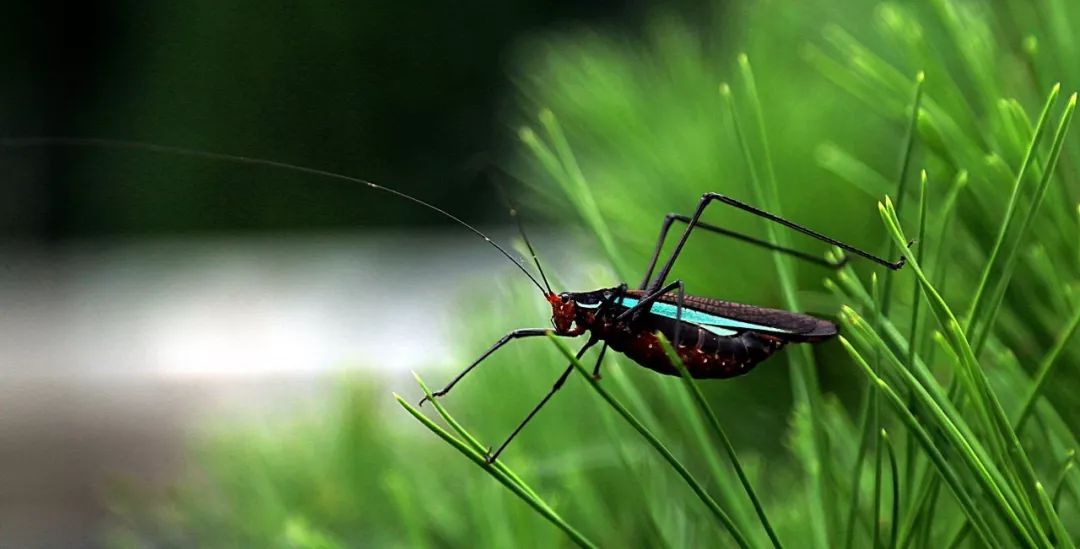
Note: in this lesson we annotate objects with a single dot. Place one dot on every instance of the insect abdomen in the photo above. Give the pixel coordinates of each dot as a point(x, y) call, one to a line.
point(705, 355)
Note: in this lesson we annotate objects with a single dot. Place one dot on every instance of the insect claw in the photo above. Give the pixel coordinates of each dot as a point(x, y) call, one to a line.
point(489, 458)
point(431, 397)
point(903, 259)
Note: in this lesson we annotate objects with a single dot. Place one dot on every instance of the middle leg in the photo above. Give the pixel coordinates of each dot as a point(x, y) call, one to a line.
point(491, 457)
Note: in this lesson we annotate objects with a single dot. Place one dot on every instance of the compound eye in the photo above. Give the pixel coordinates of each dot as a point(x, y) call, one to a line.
point(564, 297)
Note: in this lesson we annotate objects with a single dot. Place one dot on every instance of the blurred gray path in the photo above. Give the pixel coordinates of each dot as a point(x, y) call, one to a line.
point(113, 352)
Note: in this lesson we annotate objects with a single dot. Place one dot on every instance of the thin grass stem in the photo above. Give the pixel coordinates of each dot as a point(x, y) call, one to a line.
point(977, 300)
point(470, 439)
point(576, 185)
point(982, 396)
point(963, 497)
point(653, 441)
point(477, 458)
point(1012, 254)
point(804, 380)
point(695, 393)
point(860, 456)
point(894, 469)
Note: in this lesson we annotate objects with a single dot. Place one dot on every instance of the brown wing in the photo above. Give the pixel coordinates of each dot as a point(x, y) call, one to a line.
point(803, 327)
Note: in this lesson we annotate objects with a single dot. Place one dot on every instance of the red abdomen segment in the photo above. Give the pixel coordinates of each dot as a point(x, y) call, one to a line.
point(717, 358)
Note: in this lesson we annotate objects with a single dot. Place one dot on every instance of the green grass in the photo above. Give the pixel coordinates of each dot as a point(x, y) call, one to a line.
point(944, 416)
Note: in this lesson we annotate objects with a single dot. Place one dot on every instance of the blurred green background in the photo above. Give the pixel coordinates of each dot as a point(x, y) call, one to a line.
point(409, 95)
point(422, 98)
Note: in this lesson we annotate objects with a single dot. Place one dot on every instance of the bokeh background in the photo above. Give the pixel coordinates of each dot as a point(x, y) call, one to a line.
point(204, 353)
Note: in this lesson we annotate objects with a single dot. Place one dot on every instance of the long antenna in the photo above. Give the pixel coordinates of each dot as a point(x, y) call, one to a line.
point(532, 252)
point(492, 168)
point(222, 157)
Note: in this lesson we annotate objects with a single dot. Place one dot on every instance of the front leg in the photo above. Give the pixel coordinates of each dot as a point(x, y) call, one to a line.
point(490, 457)
point(516, 334)
point(647, 301)
point(646, 304)
point(616, 297)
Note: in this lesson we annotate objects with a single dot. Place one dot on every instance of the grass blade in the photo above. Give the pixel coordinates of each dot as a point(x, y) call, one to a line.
point(804, 380)
point(653, 441)
point(1011, 256)
point(952, 427)
point(952, 478)
point(1062, 535)
point(471, 440)
point(894, 522)
point(575, 185)
point(707, 411)
point(982, 396)
point(977, 301)
point(514, 487)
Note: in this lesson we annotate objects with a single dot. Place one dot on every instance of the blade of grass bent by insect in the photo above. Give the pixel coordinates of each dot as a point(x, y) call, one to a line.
point(977, 299)
point(471, 440)
point(942, 314)
point(804, 380)
point(983, 397)
point(1012, 254)
point(681, 469)
point(952, 478)
point(695, 393)
point(478, 459)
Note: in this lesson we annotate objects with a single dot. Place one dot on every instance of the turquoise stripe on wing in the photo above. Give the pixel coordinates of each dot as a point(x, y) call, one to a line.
point(719, 325)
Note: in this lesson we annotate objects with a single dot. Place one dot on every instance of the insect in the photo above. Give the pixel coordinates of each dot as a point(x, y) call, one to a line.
point(713, 338)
